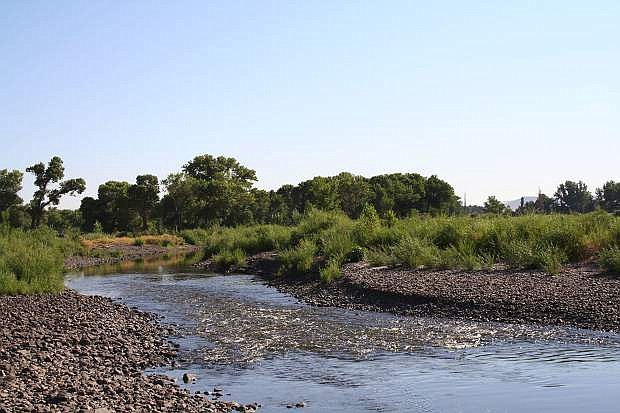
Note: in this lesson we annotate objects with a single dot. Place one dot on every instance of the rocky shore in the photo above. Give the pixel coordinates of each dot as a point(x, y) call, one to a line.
point(112, 254)
point(579, 296)
point(69, 353)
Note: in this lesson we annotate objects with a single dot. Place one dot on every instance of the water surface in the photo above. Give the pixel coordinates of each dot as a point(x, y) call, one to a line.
point(262, 345)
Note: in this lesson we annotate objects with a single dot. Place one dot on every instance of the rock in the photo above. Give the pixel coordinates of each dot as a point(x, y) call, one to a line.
point(188, 378)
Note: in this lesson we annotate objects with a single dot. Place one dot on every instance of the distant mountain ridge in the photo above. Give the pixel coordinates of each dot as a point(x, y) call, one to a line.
point(517, 202)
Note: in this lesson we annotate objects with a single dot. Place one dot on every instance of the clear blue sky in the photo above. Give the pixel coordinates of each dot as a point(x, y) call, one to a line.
point(495, 97)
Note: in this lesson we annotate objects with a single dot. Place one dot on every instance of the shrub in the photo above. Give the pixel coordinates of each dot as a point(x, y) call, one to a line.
point(138, 242)
point(330, 272)
point(32, 261)
point(298, 260)
point(609, 259)
point(356, 254)
point(227, 259)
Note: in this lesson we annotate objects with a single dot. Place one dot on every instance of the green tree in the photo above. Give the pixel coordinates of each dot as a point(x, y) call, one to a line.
point(113, 209)
point(90, 210)
point(179, 202)
point(45, 195)
point(493, 206)
point(354, 192)
point(222, 185)
point(10, 185)
point(574, 197)
point(439, 197)
point(608, 196)
point(144, 196)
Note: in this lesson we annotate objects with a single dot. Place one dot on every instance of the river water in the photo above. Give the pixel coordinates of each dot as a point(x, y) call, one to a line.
point(264, 346)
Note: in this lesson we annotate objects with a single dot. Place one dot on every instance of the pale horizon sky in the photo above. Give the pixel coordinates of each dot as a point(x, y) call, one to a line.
point(496, 98)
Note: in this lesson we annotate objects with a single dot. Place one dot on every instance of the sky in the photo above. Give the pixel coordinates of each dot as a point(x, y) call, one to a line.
point(497, 98)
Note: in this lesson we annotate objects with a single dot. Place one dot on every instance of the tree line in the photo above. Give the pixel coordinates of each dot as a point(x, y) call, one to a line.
point(219, 190)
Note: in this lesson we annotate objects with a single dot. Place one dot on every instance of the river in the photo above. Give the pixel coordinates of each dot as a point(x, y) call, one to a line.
point(264, 346)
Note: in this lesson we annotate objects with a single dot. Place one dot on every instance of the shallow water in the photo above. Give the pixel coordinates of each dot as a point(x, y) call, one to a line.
point(261, 345)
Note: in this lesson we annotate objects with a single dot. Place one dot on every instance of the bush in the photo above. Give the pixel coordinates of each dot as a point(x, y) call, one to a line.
point(298, 260)
point(32, 261)
point(609, 259)
point(227, 259)
point(330, 272)
point(356, 254)
point(138, 242)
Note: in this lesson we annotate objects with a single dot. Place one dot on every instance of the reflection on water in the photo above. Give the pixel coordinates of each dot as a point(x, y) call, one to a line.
point(265, 346)
point(158, 264)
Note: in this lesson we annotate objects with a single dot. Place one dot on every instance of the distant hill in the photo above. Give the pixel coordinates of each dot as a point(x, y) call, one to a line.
point(517, 202)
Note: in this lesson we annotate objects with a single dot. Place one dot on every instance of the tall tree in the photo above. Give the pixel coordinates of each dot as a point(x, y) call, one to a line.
point(493, 206)
point(354, 192)
point(222, 183)
point(574, 197)
point(144, 196)
point(10, 185)
point(45, 195)
point(608, 196)
point(113, 206)
point(178, 204)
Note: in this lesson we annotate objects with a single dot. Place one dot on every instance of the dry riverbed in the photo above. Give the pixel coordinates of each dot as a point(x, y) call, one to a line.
point(69, 353)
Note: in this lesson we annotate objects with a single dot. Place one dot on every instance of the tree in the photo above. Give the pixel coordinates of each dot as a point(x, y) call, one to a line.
point(439, 197)
point(493, 206)
point(144, 196)
point(608, 196)
point(44, 195)
point(113, 209)
point(90, 210)
point(574, 197)
point(222, 187)
point(354, 192)
point(178, 205)
point(10, 185)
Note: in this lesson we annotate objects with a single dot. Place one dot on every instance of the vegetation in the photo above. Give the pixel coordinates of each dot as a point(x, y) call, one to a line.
point(323, 241)
point(32, 261)
point(316, 226)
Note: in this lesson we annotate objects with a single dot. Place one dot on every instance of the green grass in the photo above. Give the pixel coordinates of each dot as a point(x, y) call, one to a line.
point(322, 239)
point(227, 259)
point(32, 261)
point(330, 272)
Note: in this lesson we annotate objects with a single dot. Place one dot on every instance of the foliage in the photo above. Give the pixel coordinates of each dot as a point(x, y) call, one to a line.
point(298, 259)
point(44, 195)
point(10, 185)
point(608, 197)
point(144, 196)
point(574, 197)
point(493, 206)
point(609, 259)
point(32, 261)
point(226, 259)
point(330, 272)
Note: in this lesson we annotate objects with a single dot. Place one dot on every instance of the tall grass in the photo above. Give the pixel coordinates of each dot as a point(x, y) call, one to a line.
point(32, 261)
point(329, 239)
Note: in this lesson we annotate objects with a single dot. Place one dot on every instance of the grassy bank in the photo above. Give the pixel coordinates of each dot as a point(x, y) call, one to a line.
point(32, 261)
point(323, 241)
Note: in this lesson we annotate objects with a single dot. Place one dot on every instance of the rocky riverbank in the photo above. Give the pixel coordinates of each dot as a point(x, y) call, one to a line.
point(579, 296)
point(70, 353)
point(114, 253)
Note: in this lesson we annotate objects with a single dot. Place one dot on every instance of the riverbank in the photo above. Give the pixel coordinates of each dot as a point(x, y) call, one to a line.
point(68, 352)
point(579, 296)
